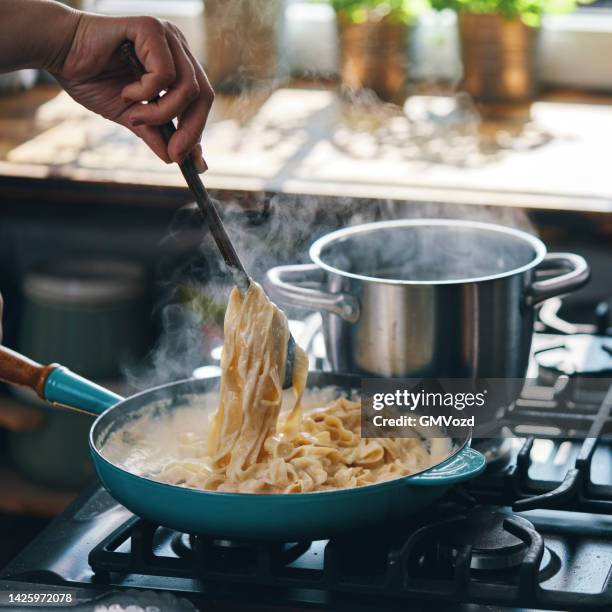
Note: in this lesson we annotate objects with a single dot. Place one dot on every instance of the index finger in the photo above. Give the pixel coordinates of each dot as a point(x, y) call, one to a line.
point(153, 51)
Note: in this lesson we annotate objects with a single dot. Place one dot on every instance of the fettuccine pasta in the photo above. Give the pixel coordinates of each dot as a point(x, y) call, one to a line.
point(251, 445)
point(251, 449)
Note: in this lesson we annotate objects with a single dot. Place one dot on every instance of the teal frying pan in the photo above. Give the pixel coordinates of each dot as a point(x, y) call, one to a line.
point(248, 516)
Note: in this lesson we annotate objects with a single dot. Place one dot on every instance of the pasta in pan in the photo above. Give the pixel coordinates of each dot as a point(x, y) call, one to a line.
point(252, 446)
point(251, 449)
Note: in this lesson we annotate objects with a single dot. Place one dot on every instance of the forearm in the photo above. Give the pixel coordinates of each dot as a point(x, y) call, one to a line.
point(35, 34)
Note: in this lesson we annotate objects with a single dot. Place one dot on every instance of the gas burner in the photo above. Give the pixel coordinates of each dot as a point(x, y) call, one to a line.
point(181, 545)
point(578, 355)
point(235, 551)
point(494, 549)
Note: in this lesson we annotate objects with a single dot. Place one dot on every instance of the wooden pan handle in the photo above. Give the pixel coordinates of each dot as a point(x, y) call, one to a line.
point(16, 369)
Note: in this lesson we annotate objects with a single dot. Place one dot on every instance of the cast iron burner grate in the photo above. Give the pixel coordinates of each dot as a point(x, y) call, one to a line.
point(586, 414)
point(229, 555)
point(385, 568)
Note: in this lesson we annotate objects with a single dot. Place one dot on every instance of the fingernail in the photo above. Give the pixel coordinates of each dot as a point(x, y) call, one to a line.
point(136, 122)
point(200, 164)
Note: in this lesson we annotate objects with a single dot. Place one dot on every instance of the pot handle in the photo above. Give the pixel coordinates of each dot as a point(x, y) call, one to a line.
point(578, 275)
point(280, 286)
point(55, 384)
point(466, 464)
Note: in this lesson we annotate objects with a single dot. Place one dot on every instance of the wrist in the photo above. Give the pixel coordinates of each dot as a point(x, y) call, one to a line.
point(35, 33)
point(59, 42)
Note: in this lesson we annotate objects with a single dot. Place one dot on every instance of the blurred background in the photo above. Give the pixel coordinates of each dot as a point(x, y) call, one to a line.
point(327, 113)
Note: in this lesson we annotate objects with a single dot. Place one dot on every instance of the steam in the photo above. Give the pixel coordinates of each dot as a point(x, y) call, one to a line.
point(267, 231)
point(243, 39)
point(432, 255)
point(515, 218)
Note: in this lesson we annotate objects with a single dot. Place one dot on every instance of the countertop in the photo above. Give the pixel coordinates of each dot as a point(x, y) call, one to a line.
point(308, 141)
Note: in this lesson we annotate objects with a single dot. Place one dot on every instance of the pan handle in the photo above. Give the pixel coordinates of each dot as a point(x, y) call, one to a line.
point(55, 384)
point(466, 464)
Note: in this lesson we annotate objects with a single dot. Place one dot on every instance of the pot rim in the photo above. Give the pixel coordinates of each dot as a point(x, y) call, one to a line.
point(317, 247)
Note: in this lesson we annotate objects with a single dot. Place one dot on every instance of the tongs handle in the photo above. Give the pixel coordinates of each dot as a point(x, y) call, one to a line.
point(203, 200)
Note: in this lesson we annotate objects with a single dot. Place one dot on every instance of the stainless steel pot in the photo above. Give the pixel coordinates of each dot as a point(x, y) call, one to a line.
point(441, 298)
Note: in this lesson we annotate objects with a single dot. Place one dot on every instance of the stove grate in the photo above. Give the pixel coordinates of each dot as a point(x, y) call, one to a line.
point(577, 491)
point(389, 572)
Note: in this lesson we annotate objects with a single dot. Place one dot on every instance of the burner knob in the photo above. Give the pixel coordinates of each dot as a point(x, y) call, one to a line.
point(602, 318)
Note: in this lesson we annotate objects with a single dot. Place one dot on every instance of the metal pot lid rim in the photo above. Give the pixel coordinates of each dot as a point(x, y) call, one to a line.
point(317, 246)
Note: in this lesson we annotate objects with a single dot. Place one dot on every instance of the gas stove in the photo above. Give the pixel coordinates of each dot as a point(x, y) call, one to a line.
point(532, 532)
point(461, 551)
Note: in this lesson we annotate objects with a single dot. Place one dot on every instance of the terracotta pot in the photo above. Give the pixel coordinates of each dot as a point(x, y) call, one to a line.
point(374, 55)
point(498, 58)
point(241, 43)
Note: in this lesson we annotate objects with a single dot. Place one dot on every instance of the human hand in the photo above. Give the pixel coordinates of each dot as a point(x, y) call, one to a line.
point(95, 74)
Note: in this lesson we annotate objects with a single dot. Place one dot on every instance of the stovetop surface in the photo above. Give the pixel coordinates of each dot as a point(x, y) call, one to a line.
point(355, 573)
point(578, 545)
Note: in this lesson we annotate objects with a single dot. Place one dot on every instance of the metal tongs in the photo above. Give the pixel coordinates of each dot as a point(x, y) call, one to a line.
point(206, 205)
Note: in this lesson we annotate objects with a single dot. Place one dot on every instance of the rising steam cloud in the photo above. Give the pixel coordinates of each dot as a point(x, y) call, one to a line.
point(278, 230)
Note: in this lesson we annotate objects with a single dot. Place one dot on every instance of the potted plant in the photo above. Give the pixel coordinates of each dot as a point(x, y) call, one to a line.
point(498, 45)
point(373, 38)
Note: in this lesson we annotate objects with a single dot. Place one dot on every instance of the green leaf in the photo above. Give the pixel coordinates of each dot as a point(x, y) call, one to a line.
point(530, 11)
point(359, 11)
